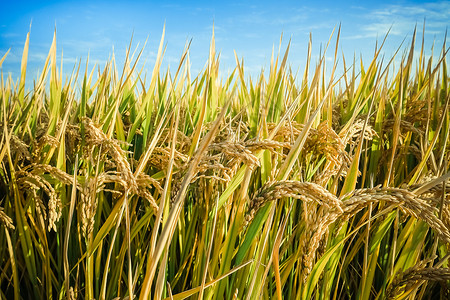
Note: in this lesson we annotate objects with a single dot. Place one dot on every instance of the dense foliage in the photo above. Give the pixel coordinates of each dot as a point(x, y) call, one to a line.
point(173, 186)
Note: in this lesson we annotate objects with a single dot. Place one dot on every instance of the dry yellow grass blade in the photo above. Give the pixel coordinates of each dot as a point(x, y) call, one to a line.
point(429, 185)
point(13, 265)
point(4, 57)
point(166, 191)
point(275, 257)
point(128, 238)
point(61, 131)
point(202, 287)
point(103, 289)
point(428, 152)
point(165, 198)
point(6, 137)
point(198, 130)
point(262, 246)
point(159, 285)
point(396, 130)
point(120, 87)
point(169, 227)
point(188, 293)
point(23, 70)
point(285, 169)
point(68, 225)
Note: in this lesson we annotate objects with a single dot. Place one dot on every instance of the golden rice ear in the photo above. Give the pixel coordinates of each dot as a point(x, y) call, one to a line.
point(6, 220)
point(198, 185)
point(406, 282)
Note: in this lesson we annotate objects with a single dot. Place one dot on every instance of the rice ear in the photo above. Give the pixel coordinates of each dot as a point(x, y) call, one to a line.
point(168, 228)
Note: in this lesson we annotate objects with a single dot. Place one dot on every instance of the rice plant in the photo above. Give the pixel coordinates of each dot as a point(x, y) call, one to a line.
point(180, 186)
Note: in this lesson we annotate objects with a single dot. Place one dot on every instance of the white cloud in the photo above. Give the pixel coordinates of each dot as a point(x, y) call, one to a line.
point(37, 57)
point(401, 19)
point(10, 35)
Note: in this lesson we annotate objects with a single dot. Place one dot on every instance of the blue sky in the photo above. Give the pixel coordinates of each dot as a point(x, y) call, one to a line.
point(251, 28)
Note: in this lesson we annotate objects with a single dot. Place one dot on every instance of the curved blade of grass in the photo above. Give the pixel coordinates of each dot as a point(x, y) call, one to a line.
point(23, 69)
point(261, 251)
point(165, 198)
point(111, 248)
point(425, 158)
point(147, 102)
point(294, 153)
point(203, 285)
point(4, 57)
point(275, 257)
point(23, 227)
point(168, 228)
point(68, 225)
point(13, 265)
point(188, 293)
point(322, 263)
point(198, 129)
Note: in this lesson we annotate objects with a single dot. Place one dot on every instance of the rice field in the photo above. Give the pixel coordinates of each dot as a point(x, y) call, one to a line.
point(116, 184)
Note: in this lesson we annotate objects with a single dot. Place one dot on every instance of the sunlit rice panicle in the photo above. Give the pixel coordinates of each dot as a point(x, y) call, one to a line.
point(32, 184)
point(236, 151)
point(322, 141)
point(145, 183)
point(28, 180)
point(39, 169)
point(288, 131)
point(270, 145)
point(405, 127)
point(331, 169)
point(315, 236)
point(96, 184)
point(72, 294)
point(352, 134)
point(405, 200)
point(54, 211)
point(19, 148)
point(161, 156)
point(416, 112)
point(96, 137)
point(359, 199)
point(305, 191)
point(88, 204)
point(227, 157)
point(183, 141)
point(325, 141)
point(233, 131)
point(405, 281)
point(5, 219)
point(32, 179)
point(40, 143)
point(72, 139)
point(211, 167)
point(337, 113)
